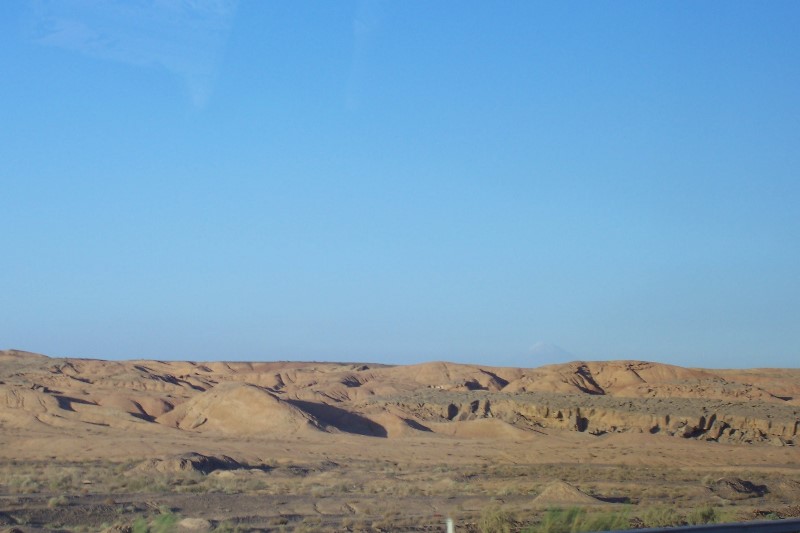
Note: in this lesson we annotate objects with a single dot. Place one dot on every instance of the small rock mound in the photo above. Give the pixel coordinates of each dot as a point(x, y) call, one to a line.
point(189, 462)
point(562, 493)
point(732, 488)
point(198, 525)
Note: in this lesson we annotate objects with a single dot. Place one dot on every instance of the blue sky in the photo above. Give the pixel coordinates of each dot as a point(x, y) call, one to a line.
point(402, 181)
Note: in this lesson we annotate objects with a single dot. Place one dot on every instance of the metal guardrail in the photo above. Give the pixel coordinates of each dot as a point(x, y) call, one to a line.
point(789, 525)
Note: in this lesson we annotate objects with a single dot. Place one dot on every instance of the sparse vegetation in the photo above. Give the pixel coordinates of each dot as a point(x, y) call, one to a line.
point(57, 501)
point(661, 516)
point(579, 520)
point(495, 520)
point(164, 522)
point(376, 491)
point(227, 527)
point(485, 480)
point(140, 525)
point(702, 515)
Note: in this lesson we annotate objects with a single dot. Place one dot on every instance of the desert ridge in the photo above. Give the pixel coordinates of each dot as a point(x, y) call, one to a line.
point(285, 399)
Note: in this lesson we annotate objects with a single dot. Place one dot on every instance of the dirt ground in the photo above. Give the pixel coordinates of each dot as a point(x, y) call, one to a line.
point(141, 446)
point(359, 483)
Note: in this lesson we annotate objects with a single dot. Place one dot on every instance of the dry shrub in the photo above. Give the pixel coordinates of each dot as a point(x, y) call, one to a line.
point(495, 520)
point(703, 515)
point(661, 517)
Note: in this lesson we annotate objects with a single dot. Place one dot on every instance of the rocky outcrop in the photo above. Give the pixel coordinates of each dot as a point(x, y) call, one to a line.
point(189, 462)
point(687, 418)
point(732, 488)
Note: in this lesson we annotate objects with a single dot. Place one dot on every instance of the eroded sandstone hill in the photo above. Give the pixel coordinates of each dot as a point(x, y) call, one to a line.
point(284, 398)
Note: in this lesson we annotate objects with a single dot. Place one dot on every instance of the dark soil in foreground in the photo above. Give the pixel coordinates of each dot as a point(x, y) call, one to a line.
point(268, 513)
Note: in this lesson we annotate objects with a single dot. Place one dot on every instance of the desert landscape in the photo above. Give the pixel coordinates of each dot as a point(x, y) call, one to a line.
point(93, 445)
point(368, 266)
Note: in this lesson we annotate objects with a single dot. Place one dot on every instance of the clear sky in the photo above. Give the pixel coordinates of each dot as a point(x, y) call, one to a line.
point(401, 181)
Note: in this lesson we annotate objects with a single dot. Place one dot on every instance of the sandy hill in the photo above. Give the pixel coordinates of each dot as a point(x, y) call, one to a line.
point(275, 399)
point(239, 408)
point(639, 379)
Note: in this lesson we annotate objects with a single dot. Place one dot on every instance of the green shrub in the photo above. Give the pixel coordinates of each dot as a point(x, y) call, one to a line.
point(162, 523)
point(703, 515)
point(608, 521)
point(140, 526)
point(559, 520)
point(661, 517)
point(577, 520)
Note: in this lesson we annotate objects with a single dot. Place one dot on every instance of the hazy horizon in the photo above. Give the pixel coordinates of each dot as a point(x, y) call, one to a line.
point(541, 362)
